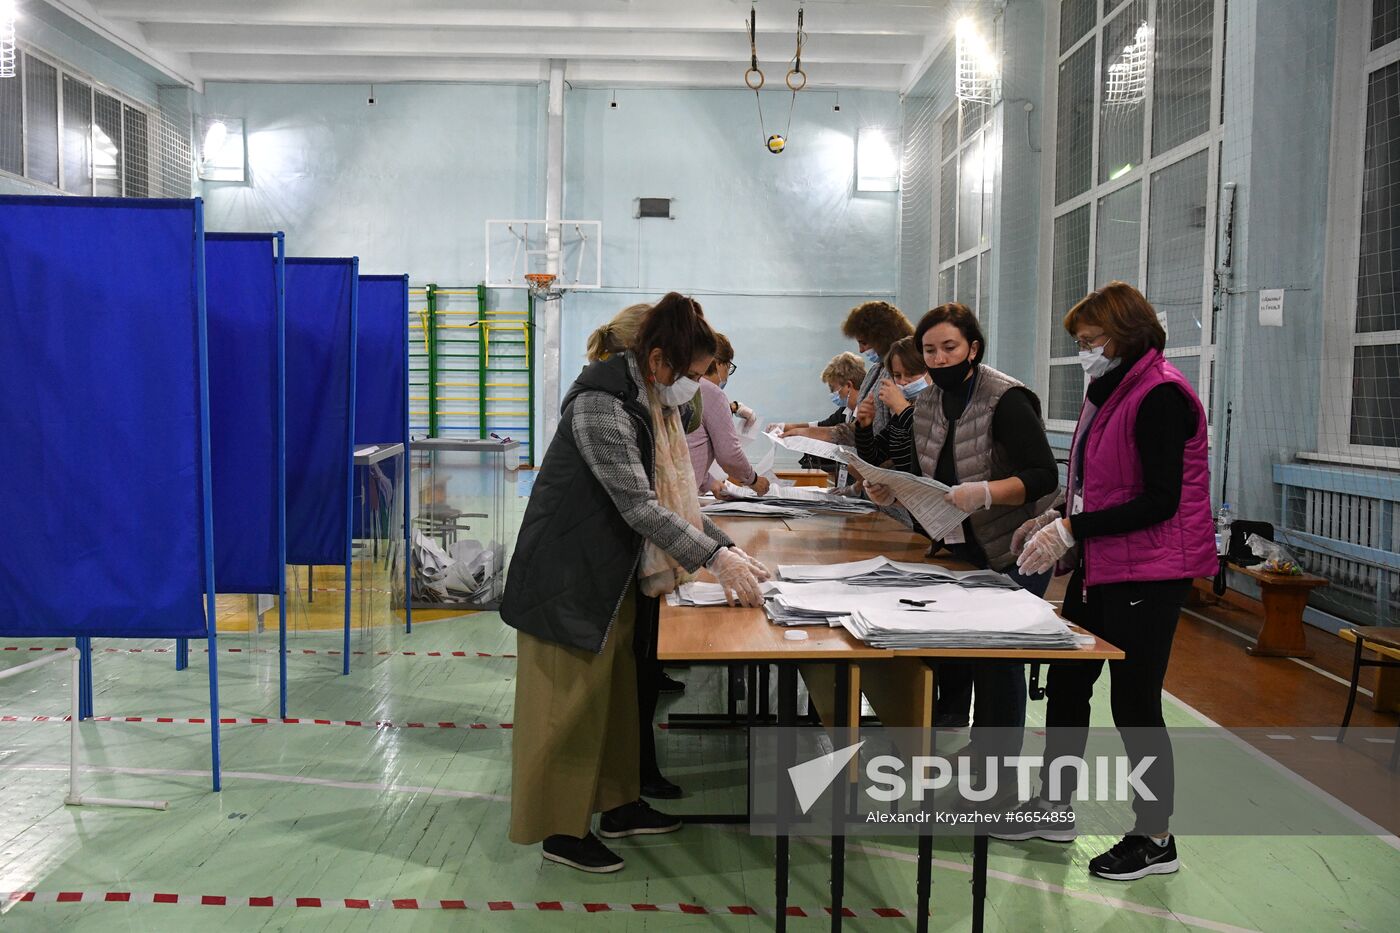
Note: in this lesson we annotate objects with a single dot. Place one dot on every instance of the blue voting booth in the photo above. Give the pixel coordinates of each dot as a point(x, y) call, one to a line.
point(381, 390)
point(104, 373)
point(322, 310)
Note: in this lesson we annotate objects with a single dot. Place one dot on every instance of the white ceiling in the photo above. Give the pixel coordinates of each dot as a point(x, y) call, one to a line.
point(683, 43)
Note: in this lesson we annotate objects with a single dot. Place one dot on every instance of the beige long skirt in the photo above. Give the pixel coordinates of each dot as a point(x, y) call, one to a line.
point(575, 737)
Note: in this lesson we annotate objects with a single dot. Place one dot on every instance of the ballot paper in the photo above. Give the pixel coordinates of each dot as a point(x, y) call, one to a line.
point(883, 572)
point(973, 619)
point(711, 506)
point(810, 445)
point(699, 593)
point(923, 497)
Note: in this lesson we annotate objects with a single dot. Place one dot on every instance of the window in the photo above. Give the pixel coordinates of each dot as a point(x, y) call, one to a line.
point(1133, 187)
point(967, 180)
point(61, 131)
point(1361, 354)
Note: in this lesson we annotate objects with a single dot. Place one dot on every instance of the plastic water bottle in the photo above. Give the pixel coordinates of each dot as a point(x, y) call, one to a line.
point(1223, 518)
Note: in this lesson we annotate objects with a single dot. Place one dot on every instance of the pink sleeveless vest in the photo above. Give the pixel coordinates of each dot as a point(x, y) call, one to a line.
point(1183, 546)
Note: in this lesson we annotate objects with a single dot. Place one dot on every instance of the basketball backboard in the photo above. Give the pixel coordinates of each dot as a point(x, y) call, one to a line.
point(517, 248)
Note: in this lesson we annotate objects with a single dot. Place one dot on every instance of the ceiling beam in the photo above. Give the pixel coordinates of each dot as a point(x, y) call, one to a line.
point(292, 69)
point(860, 18)
point(502, 43)
point(128, 37)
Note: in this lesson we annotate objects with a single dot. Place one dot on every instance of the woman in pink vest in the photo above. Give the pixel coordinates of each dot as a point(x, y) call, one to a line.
point(1135, 530)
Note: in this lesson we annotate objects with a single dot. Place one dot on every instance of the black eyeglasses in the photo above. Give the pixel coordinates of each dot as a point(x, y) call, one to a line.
point(733, 368)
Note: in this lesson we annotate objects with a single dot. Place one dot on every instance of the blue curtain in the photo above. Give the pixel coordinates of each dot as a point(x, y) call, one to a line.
point(381, 380)
point(245, 400)
point(320, 340)
point(100, 411)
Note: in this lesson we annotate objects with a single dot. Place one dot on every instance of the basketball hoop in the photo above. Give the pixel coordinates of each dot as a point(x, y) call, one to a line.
point(541, 285)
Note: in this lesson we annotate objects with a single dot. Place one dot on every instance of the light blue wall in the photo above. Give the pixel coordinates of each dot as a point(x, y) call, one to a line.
point(776, 248)
point(406, 185)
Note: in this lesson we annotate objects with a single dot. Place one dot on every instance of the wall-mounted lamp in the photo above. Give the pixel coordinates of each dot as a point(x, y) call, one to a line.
point(877, 166)
point(222, 156)
point(979, 73)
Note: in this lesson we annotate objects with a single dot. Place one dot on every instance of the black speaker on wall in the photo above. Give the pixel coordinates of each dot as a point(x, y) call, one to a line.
point(654, 207)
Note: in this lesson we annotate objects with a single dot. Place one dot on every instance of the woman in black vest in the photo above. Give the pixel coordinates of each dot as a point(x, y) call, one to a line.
point(614, 511)
point(979, 431)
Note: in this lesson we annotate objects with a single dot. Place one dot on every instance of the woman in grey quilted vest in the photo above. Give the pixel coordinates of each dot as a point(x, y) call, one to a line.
point(979, 431)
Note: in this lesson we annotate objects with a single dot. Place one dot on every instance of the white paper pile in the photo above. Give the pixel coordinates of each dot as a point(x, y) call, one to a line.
point(468, 571)
point(964, 619)
point(802, 500)
point(881, 571)
point(705, 594)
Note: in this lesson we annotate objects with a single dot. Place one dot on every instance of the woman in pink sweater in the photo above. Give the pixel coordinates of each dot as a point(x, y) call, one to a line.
point(716, 438)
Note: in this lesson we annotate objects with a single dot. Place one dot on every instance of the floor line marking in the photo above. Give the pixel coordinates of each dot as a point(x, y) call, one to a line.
point(264, 776)
point(290, 652)
point(264, 721)
point(1052, 888)
point(412, 903)
point(1371, 826)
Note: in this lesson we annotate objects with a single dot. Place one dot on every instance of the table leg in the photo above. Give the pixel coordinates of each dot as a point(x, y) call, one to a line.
point(838, 819)
point(979, 881)
point(787, 719)
point(925, 882)
point(1282, 635)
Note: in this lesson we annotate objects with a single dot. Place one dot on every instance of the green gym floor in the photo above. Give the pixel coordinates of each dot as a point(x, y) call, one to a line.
point(419, 814)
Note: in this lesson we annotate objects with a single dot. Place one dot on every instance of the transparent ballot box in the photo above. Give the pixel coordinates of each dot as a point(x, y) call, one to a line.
point(377, 570)
point(460, 492)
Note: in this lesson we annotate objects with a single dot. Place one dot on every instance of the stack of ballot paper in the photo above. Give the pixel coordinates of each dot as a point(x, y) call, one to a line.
point(964, 619)
point(881, 571)
point(705, 594)
point(784, 501)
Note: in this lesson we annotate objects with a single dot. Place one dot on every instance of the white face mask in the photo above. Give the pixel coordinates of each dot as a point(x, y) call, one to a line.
point(678, 393)
point(1096, 364)
point(872, 356)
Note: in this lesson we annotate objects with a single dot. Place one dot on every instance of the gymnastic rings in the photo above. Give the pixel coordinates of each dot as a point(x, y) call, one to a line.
point(748, 79)
point(793, 85)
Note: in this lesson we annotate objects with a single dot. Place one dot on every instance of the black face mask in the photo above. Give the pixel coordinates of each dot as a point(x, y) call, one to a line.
point(951, 377)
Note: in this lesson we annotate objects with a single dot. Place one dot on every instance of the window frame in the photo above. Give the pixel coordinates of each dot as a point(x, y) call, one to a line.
point(94, 86)
point(1208, 142)
point(1356, 62)
point(987, 135)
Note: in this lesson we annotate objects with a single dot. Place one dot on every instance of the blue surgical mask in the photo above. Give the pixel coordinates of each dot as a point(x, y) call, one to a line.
point(871, 356)
point(837, 400)
point(911, 389)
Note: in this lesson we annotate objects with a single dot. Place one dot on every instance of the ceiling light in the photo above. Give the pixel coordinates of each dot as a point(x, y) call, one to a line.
point(978, 69)
point(9, 12)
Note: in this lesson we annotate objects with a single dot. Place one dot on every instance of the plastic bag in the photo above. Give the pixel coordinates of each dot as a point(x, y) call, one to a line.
point(1276, 557)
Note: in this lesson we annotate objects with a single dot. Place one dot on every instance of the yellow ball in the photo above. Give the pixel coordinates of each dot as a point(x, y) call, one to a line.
point(776, 144)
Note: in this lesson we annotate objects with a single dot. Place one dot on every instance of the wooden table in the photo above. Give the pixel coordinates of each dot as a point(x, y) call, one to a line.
point(1285, 597)
point(805, 477)
point(723, 635)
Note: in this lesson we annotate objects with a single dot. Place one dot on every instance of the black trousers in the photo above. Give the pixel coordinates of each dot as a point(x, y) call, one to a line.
point(1139, 618)
point(648, 681)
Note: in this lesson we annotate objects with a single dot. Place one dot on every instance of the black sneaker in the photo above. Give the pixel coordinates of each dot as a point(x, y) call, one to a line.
point(1038, 819)
point(668, 684)
point(586, 854)
point(658, 788)
point(1135, 857)
point(636, 819)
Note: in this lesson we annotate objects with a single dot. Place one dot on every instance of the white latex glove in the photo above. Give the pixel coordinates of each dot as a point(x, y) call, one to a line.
point(737, 577)
point(745, 414)
point(1030, 527)
point(759, 569)
point(879, 494)
point(971, 497)
point(1045, 548)
point(778, 426)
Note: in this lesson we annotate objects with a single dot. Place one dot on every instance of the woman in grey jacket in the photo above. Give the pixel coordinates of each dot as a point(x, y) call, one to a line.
point(614, 509)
